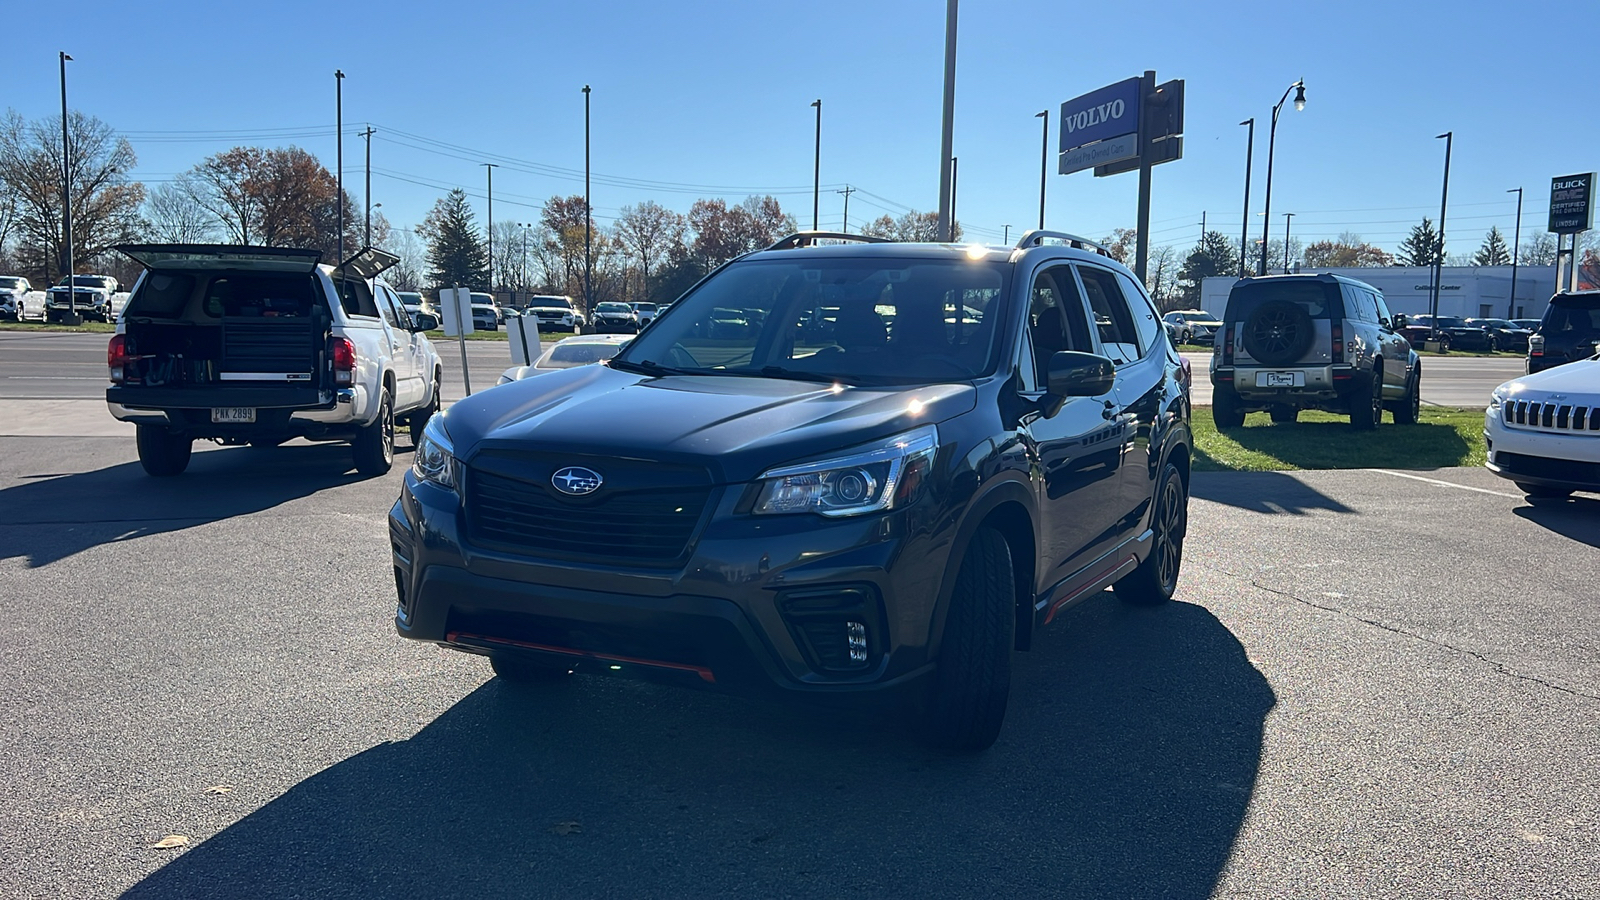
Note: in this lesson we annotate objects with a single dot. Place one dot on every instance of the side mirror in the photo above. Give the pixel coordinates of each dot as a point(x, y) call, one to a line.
point(1399, 322)
point(1074, 374)
point(424, 322)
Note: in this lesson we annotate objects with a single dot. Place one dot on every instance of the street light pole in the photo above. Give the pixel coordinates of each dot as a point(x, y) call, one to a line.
point(1287, 217)
point(1438, 253)
point(1299, 87)
point(1244, 229)
point(587, 212)
point(489, 168)
point(816, 170)
point(1044, 162)
point(1516, 248)
point(953, 161)
point(368, 135)
point(66, 199)
point(947, 128)
point(338, 114)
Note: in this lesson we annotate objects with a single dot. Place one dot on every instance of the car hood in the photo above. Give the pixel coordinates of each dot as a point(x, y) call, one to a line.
point(737, 427)
point(550, 309)
point(1576, 379)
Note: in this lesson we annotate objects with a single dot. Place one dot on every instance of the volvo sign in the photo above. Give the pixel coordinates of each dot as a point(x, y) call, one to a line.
point(1108, 117)
point(1572, 203)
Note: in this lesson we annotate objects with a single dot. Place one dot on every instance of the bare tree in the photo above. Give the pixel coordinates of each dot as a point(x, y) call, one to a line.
point(176, 217)
point(105, 202)
point(650, 231)
point(509, 261)
point(409, 274)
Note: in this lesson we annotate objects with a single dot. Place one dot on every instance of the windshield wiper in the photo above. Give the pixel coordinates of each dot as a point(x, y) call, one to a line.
point(644, 367)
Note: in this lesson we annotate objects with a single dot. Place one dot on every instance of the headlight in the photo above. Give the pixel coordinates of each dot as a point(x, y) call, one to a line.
point(434, 459)
point(880, 476)
point(1498, 398)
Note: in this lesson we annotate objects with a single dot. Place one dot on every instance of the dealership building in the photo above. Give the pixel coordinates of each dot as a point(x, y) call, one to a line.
point(1467, 291)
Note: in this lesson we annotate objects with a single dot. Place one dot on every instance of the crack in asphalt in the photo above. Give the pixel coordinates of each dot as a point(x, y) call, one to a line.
point(1500, 668)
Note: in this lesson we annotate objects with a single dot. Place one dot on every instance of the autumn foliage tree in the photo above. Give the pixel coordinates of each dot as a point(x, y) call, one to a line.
point(1348, 251)
point(273, 197)
point(913, 226)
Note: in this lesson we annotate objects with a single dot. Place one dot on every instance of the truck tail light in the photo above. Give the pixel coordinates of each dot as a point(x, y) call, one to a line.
point(1227, 343)
point(342, 355)
point(117, 357)
point(1536, 345)
point(1338, 342)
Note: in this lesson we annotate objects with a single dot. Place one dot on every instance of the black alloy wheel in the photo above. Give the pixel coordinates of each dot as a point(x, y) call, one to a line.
point(1278, 332)
point(1156, 579)
point(1366, 406)
point(374, 443)
point(1409, 410)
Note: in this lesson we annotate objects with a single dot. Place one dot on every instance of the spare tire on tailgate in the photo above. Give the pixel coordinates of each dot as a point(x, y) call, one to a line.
point(1278, 332)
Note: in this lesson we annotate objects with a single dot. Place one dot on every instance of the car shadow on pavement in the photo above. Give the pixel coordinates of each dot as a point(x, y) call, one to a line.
point(51, 517)
point(1575, 517)
point(1262, 492)
point(1125, 769)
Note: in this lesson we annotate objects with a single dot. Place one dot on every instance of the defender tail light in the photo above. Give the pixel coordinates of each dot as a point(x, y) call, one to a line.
point(117, 357)
point(1227, 343)
point(1338, 342)
point(342, 355)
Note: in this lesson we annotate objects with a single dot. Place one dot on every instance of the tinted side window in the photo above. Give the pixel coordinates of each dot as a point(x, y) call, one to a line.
point(1117, 333)
point(1383, 308)
point(1144, 314)
point(162, 295)
point(1056, 320)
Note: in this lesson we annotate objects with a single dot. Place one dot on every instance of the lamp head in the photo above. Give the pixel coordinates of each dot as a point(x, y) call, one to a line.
point(1041, 114)
point(1300, 96)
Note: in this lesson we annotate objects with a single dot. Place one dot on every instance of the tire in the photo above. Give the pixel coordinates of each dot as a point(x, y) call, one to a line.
point(1541, 492)
point(162, 453)
point(418, 420)
point(522, 670)
point(1225, 409)
point(1409, 412)
point(1278, 332)
point(973, 678)
point(1283, 414)
point(373, 447)
point(1156, 579)
point(1366, 403)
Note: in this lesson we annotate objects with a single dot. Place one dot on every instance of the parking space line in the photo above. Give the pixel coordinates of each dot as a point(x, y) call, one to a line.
point(1452, 484)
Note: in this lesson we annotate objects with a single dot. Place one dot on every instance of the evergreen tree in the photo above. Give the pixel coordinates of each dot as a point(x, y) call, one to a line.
point(457, 256)
point(1494, 251)
point(1214, 255)
point(1421, 247)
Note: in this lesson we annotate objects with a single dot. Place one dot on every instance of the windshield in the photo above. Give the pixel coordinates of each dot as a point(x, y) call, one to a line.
point(613, 307)
point(875, 320)
point(93, 281)
point(10, 283)
point(551, 302)
point(645, 307)
point(1319, 299)
point(578, 353)
point(1577, 314)
point(1451, 322)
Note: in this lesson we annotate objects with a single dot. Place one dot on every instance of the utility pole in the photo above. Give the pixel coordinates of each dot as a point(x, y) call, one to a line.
point(816, 170)
point(1007, 239)
point(947, 129)
point(489, 169)
point(66, 203)
point(338, 114)
point(1244, 230)
point(1044, 161)
point(848, 190)
point(588, 214)
point(1516, 248)
point(1202, 228)
point(368, 135)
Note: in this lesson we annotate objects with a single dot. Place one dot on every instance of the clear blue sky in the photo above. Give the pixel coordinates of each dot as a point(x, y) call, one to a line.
point(717, 94)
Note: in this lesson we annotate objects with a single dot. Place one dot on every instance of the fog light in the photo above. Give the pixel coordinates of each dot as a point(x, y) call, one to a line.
point(856, 634)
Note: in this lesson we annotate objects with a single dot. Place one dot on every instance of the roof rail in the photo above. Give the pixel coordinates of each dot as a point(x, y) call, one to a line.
point(1036, 236)
point(810, 238)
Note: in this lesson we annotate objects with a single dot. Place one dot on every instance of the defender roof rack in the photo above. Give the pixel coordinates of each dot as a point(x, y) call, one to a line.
point(810, 238)
point(1036, 236)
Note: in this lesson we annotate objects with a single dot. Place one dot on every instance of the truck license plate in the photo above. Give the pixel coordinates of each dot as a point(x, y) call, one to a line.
point(1280, 379)
point(238, 415)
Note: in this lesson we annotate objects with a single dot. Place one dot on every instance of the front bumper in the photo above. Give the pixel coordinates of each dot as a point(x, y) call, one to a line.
point(727, 619)
point(1541, 458)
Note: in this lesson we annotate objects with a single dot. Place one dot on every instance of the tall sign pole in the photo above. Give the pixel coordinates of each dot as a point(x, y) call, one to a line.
point(1044, 162)
point(1141, 266)
point(66, 199)
point(338, 115)
point(1516, 250)
point(816, 170)
point(1244, 229)
point(947, 131)
point(1438, 253)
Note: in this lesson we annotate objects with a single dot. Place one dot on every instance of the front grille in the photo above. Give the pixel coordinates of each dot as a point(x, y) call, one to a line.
point(1569, 470)
point(645, 526)
point(1553, 417)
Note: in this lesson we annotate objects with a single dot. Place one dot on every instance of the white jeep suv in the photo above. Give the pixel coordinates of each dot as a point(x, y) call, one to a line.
point(1543, 430)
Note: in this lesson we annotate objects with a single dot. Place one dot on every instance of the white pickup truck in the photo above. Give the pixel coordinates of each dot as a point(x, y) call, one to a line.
point(258, 345)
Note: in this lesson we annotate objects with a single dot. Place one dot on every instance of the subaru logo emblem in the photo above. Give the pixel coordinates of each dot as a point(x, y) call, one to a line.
point(576, 480)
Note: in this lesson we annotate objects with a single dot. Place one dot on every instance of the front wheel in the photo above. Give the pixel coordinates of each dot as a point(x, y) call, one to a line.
point(1156, 579)
point(162, 453)
point(1409, 412)
point(1366, 403)
point(973, 679)
point(374, 443)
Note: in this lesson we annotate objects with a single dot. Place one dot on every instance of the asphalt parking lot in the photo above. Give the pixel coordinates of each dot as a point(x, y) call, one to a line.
point(1376, 684)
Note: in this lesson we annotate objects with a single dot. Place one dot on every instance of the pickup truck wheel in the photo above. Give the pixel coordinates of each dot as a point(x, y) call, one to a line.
point(1366, 402)
point(973, 676)
point(1283, 413)
point(1156, 579)
point(1225, 409)
point(521, 670)
point(374, 444)
point(162, 453)
point(1409, 412)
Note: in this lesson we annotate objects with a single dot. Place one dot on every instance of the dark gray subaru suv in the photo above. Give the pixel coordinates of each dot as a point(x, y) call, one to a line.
point(909, 458)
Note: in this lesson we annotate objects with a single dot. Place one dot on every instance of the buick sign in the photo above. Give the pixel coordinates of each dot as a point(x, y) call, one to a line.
point(1571, 204)
point(1111, 112)
point(576, 481)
